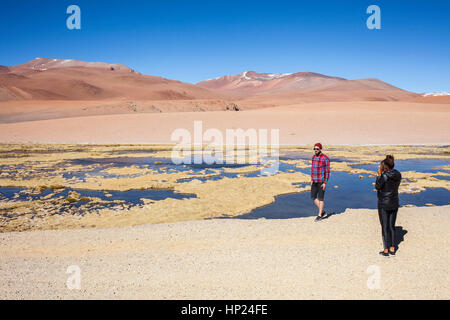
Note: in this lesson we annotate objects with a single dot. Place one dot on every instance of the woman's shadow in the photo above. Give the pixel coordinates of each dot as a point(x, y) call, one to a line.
point(399, 232)
point(399, 235)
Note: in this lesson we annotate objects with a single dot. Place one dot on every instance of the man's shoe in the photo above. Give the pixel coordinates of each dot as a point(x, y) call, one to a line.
point(325, 215)
point(318, 218)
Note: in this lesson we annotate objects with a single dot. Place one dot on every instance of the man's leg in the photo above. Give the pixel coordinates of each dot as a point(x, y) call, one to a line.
point(321, 198)
point(316, 202)
point(319, 204)
point(314, 191)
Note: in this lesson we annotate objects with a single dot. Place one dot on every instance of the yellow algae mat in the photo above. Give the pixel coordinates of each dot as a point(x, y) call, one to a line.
point(35, 168)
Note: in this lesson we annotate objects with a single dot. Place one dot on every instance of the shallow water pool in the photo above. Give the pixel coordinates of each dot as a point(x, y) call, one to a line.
point(352, 192)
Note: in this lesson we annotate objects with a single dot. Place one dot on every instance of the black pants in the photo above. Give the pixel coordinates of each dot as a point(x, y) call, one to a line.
point(387, 220)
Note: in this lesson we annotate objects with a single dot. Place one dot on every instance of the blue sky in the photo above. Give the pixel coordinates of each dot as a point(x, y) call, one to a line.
point(196, 40)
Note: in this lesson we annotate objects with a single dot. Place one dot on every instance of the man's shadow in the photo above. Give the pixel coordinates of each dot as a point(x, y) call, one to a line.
point(399, 235)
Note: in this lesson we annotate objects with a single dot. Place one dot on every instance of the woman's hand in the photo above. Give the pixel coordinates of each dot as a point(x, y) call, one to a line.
point(379, 171)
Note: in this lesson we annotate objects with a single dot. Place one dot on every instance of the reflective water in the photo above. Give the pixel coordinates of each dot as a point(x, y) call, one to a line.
point(130, 197)
point(351, 192)
point(344, 190)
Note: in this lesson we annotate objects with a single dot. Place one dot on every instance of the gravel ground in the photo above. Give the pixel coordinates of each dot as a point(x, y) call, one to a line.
point(336, 258)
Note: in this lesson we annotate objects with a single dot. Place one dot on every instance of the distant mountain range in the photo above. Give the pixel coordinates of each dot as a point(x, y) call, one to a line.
point(62, 79)
point(59, 79)
point(43, 64)
point(251, 83)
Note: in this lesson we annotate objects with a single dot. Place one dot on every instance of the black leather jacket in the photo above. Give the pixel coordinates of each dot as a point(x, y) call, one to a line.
point(387, 189)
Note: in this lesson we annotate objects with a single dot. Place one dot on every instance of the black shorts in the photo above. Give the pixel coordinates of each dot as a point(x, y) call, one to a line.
point(317, 191)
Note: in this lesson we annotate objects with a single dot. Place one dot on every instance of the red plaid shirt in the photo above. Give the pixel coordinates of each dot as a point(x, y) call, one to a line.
point(320, 169)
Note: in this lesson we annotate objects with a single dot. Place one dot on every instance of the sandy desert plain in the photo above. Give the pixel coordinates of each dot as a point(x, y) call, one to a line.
point(87, 179)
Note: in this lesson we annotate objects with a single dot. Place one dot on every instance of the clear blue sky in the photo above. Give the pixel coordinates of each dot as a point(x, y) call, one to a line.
point(193, 40)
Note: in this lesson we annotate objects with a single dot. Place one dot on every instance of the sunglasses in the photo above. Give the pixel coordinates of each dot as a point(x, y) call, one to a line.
point(316, 149)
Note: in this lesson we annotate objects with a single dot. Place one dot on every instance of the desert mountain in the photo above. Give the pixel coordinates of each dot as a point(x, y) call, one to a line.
point(43, 64)
point(59, 79)
point(304, 86)
point(251, 83)
point(4, 69)
point(433, 97)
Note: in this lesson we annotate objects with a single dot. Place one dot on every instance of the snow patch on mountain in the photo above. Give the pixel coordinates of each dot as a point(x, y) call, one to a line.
point(251, 75)
point(244, 75)
point(436, 94)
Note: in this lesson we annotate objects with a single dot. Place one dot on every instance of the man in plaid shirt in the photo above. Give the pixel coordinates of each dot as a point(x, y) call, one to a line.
point(320, 173)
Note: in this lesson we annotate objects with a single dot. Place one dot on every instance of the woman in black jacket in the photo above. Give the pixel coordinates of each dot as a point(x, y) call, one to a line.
point(387, 184)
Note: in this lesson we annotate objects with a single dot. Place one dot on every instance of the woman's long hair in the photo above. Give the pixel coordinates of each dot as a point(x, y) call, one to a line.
point(389, 162)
